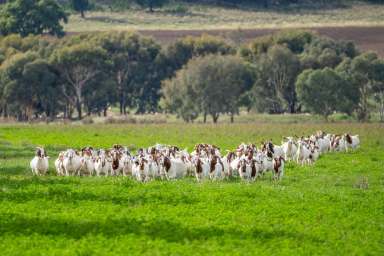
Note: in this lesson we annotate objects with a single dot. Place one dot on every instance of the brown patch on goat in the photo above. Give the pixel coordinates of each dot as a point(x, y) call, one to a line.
point(253, 166)
point(348, 138)
point(230, 156)
point(117, 147)
point(213, 164)
point(167, 164)
point(115, 164)
point(277, 164)
point(199, 167)
point(143, 161)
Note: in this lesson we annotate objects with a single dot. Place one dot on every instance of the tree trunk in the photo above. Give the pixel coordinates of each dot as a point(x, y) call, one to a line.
point(232, 117)
point(150, 6)
point(78, 108)
point(78, 100)
point(82, 14)
point(215, 117)
point(105, 111)
point(5, 111)
point(121, 103)
point(292, 107)
point(205, 117)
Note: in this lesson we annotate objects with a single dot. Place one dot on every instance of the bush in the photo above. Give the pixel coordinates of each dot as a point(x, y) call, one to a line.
point(177, 9)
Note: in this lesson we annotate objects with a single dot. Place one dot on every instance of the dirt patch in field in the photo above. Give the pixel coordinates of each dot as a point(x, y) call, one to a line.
point(367, 38)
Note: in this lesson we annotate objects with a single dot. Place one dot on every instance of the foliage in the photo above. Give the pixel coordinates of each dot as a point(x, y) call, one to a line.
point(282, 68)
point(362, 72)
point(78, 65)
point(324, 52)
point(210, 85)
point(135, 67)
point(93, 72)
point(180, 52)
point(27, 17)
point(324, 92)
point(80, 6)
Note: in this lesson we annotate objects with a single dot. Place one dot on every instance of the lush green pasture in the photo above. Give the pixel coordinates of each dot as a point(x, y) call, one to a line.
point(199, 17)
point(335, 207)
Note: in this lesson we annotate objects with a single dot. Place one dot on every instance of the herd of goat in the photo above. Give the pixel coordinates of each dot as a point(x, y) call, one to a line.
point(205, 162)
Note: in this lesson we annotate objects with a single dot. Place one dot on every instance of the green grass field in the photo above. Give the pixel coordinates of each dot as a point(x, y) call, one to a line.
point(335, 207)
point(199, 17)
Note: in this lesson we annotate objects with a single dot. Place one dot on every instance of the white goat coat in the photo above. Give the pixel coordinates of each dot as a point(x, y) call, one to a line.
point(278, 151)
point(290, 150)
point(303, 154)
point(87, 166)
point(324, 144)
point(177, 170)
point(59, 166)
point(39, 165)
point(72, 165)
point(355, 142)
point(102, 166)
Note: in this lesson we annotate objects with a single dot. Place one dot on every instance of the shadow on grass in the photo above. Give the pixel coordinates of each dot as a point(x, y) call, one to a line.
point(13, 191)
point(16, 224)
point(33, 180)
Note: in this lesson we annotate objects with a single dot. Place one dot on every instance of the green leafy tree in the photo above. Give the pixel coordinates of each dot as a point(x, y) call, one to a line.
point(30, 86)
point(134, 68)
point(361, 71)
point(36, 17)
point(277, 71)
point(80, 6)
point(325, 52)
point(180, 52)
point(150, 4)
point(210, 85)
point(378, 87)
point(79, 65)
point(324, 91)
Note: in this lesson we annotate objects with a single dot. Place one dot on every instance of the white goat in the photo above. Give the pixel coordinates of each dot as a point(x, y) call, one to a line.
point(71, 162)
point(289, 148)
point(39, 164)
point(303, 155)
point(103, 163)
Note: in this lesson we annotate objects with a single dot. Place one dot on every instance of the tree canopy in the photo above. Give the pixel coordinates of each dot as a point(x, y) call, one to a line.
point(88, 73)
point(25, 17)
point(324, 92)
point(80, 6)
point(209, 85)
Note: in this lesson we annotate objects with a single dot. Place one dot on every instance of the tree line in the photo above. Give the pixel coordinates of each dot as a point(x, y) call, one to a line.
point(289, 72)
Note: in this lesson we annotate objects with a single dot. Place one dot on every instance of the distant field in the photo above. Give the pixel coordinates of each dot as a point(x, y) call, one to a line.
point(361, 23)
point(214, 17)
point(335, 207)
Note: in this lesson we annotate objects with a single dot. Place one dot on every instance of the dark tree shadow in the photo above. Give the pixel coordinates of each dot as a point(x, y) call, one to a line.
point(13, 224)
